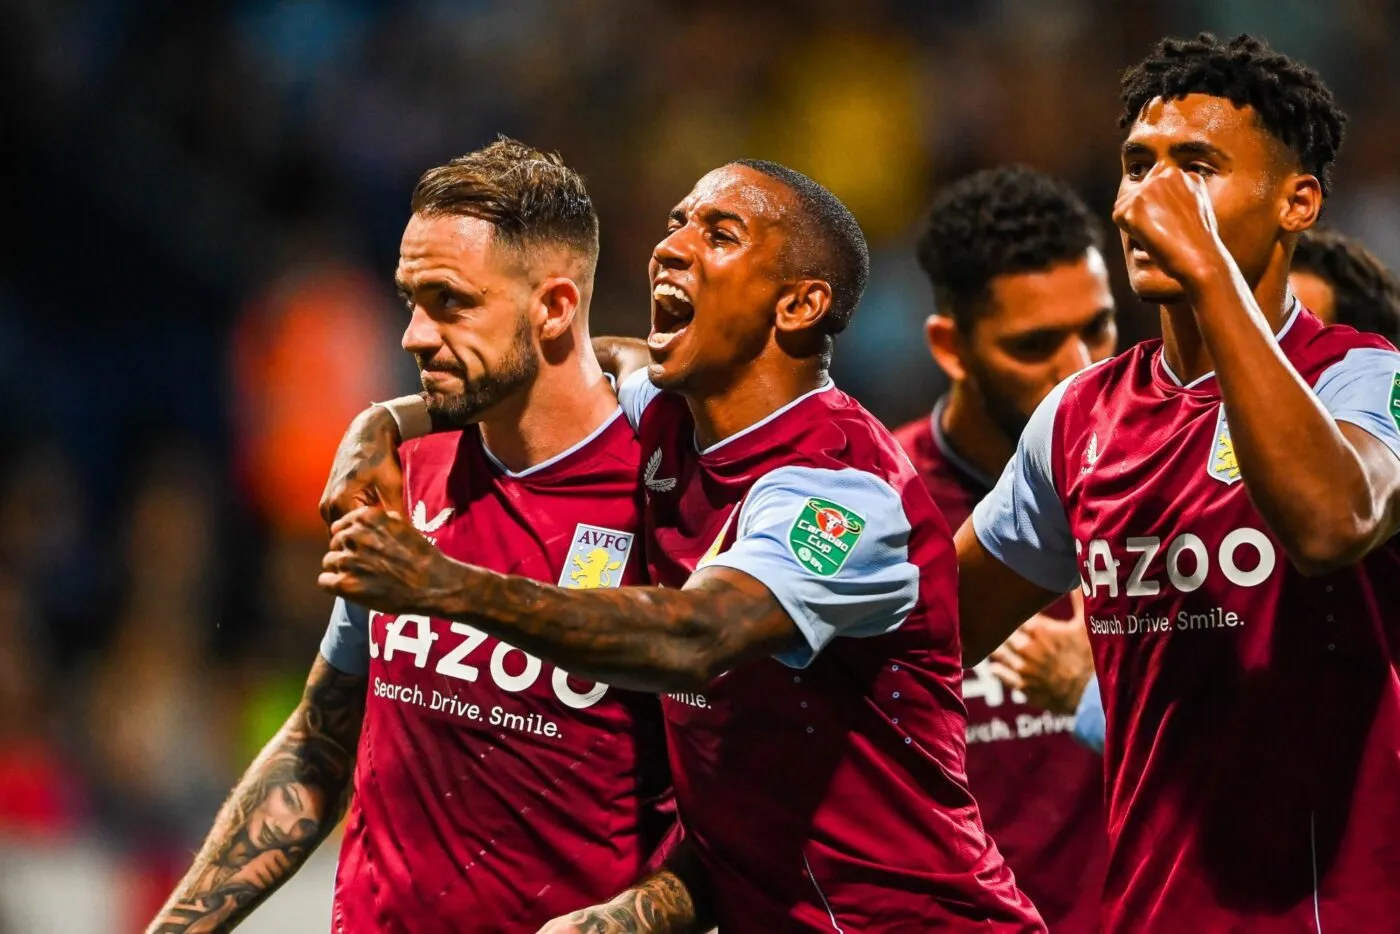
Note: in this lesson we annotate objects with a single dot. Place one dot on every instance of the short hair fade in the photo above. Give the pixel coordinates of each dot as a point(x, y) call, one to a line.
point(1291, 100)
point(530, 196)
point(828, 242)
point(999, 222)
point(1367, 294)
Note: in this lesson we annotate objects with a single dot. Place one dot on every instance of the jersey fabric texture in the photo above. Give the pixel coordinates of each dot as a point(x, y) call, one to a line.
point(1040, 790)
point(1252, 714)
point(823, 790)
point(494, 791)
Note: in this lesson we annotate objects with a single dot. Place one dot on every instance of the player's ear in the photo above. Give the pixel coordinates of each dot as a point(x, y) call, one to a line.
point(557, 304)
point(1302, 203)
point(945, 344)
point(803, 306)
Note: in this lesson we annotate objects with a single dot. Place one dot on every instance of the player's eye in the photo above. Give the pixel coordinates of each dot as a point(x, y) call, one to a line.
point(1033, 346)
point(719, 235)
point(1201, 168)
point(1098, 328)
point(1136, 169)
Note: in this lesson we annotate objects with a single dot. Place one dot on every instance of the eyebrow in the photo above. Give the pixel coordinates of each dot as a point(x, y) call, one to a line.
point(711, 216)
point(1180, 151)
point(1048, 330)
point(406, 290)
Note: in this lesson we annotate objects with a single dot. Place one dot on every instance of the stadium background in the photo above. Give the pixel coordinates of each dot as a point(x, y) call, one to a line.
point(205, 202)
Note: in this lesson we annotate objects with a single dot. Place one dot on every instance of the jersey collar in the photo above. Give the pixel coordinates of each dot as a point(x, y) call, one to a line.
point(950, 454)
point(549, 462)
point(770, 417)
point(1175, 381)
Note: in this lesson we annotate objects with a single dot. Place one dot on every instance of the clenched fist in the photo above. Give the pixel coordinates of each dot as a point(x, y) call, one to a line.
point(378, 560)
point(1168, 216)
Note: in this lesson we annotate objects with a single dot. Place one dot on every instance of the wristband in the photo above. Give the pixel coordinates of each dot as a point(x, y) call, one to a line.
point(410, 414)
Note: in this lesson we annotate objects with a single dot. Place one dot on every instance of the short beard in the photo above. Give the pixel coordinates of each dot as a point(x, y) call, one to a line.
point(1005, 416)
point(516, 370)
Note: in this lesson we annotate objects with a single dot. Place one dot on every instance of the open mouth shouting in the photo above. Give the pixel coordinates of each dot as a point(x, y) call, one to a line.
point(671, 312)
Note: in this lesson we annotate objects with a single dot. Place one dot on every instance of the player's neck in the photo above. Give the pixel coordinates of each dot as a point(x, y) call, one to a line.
point(971, 433)
point(1183, 347)
point(750, 398)
point(567, 402)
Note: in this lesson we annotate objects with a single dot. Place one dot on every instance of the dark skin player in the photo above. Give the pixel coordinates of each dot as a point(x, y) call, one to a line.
point(739, 330)
point(1210, 206)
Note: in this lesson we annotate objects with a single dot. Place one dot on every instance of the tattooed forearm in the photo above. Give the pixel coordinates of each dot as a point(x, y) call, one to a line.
point(643, 638)
point(660, 905)
point(287, 802)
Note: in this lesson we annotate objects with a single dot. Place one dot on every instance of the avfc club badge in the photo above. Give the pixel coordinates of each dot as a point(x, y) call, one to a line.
point(822, 537)
point(597, 558)
point(1222, 464)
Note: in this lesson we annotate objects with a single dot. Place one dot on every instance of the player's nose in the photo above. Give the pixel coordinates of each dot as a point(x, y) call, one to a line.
point(421, 336)
point(673, 251)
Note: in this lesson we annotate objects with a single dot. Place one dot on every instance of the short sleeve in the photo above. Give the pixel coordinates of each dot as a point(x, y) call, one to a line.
point(1363, 389)
point(1089, 724)
point(635, 394)
point(833, 547)
point(1022, 521)
point(346, 643)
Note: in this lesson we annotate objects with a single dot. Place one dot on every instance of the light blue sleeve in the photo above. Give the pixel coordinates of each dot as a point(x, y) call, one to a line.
point(635, 394)
point(1022, 521)
point(1089, 724)
point(833, 547)
point(1363, 388)
point(346, 643)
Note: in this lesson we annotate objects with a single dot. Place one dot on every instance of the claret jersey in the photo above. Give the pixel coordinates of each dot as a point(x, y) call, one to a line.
point(495, 791)
point(1040, 791)
point(823, 790)
point(1253, 714)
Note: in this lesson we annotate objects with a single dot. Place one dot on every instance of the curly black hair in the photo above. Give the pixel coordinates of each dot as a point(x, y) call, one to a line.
point(1367, 294)
point(1292, 102)
point(999, 222)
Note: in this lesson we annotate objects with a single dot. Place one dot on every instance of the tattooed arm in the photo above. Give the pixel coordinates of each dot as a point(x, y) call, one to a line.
point(643, 638)
point(673, 901)
point(287, 802)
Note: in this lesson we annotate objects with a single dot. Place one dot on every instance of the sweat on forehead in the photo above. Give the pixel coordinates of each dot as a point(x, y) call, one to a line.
point(742, 189)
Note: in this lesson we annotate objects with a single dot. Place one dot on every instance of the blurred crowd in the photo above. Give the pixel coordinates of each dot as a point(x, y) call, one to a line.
point(207, 200)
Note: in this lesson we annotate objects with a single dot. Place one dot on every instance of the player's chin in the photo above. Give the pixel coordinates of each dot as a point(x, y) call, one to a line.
point(1155, 287)
point(667, 374)
point(670, 361)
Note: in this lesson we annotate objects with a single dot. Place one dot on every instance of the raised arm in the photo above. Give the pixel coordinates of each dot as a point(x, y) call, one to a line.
point(1329, 490)
point(287, 802)
point(672, 901)
point(1327, 482)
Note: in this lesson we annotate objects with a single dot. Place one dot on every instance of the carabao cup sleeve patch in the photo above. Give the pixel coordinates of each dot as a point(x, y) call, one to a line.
point(833, 547)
